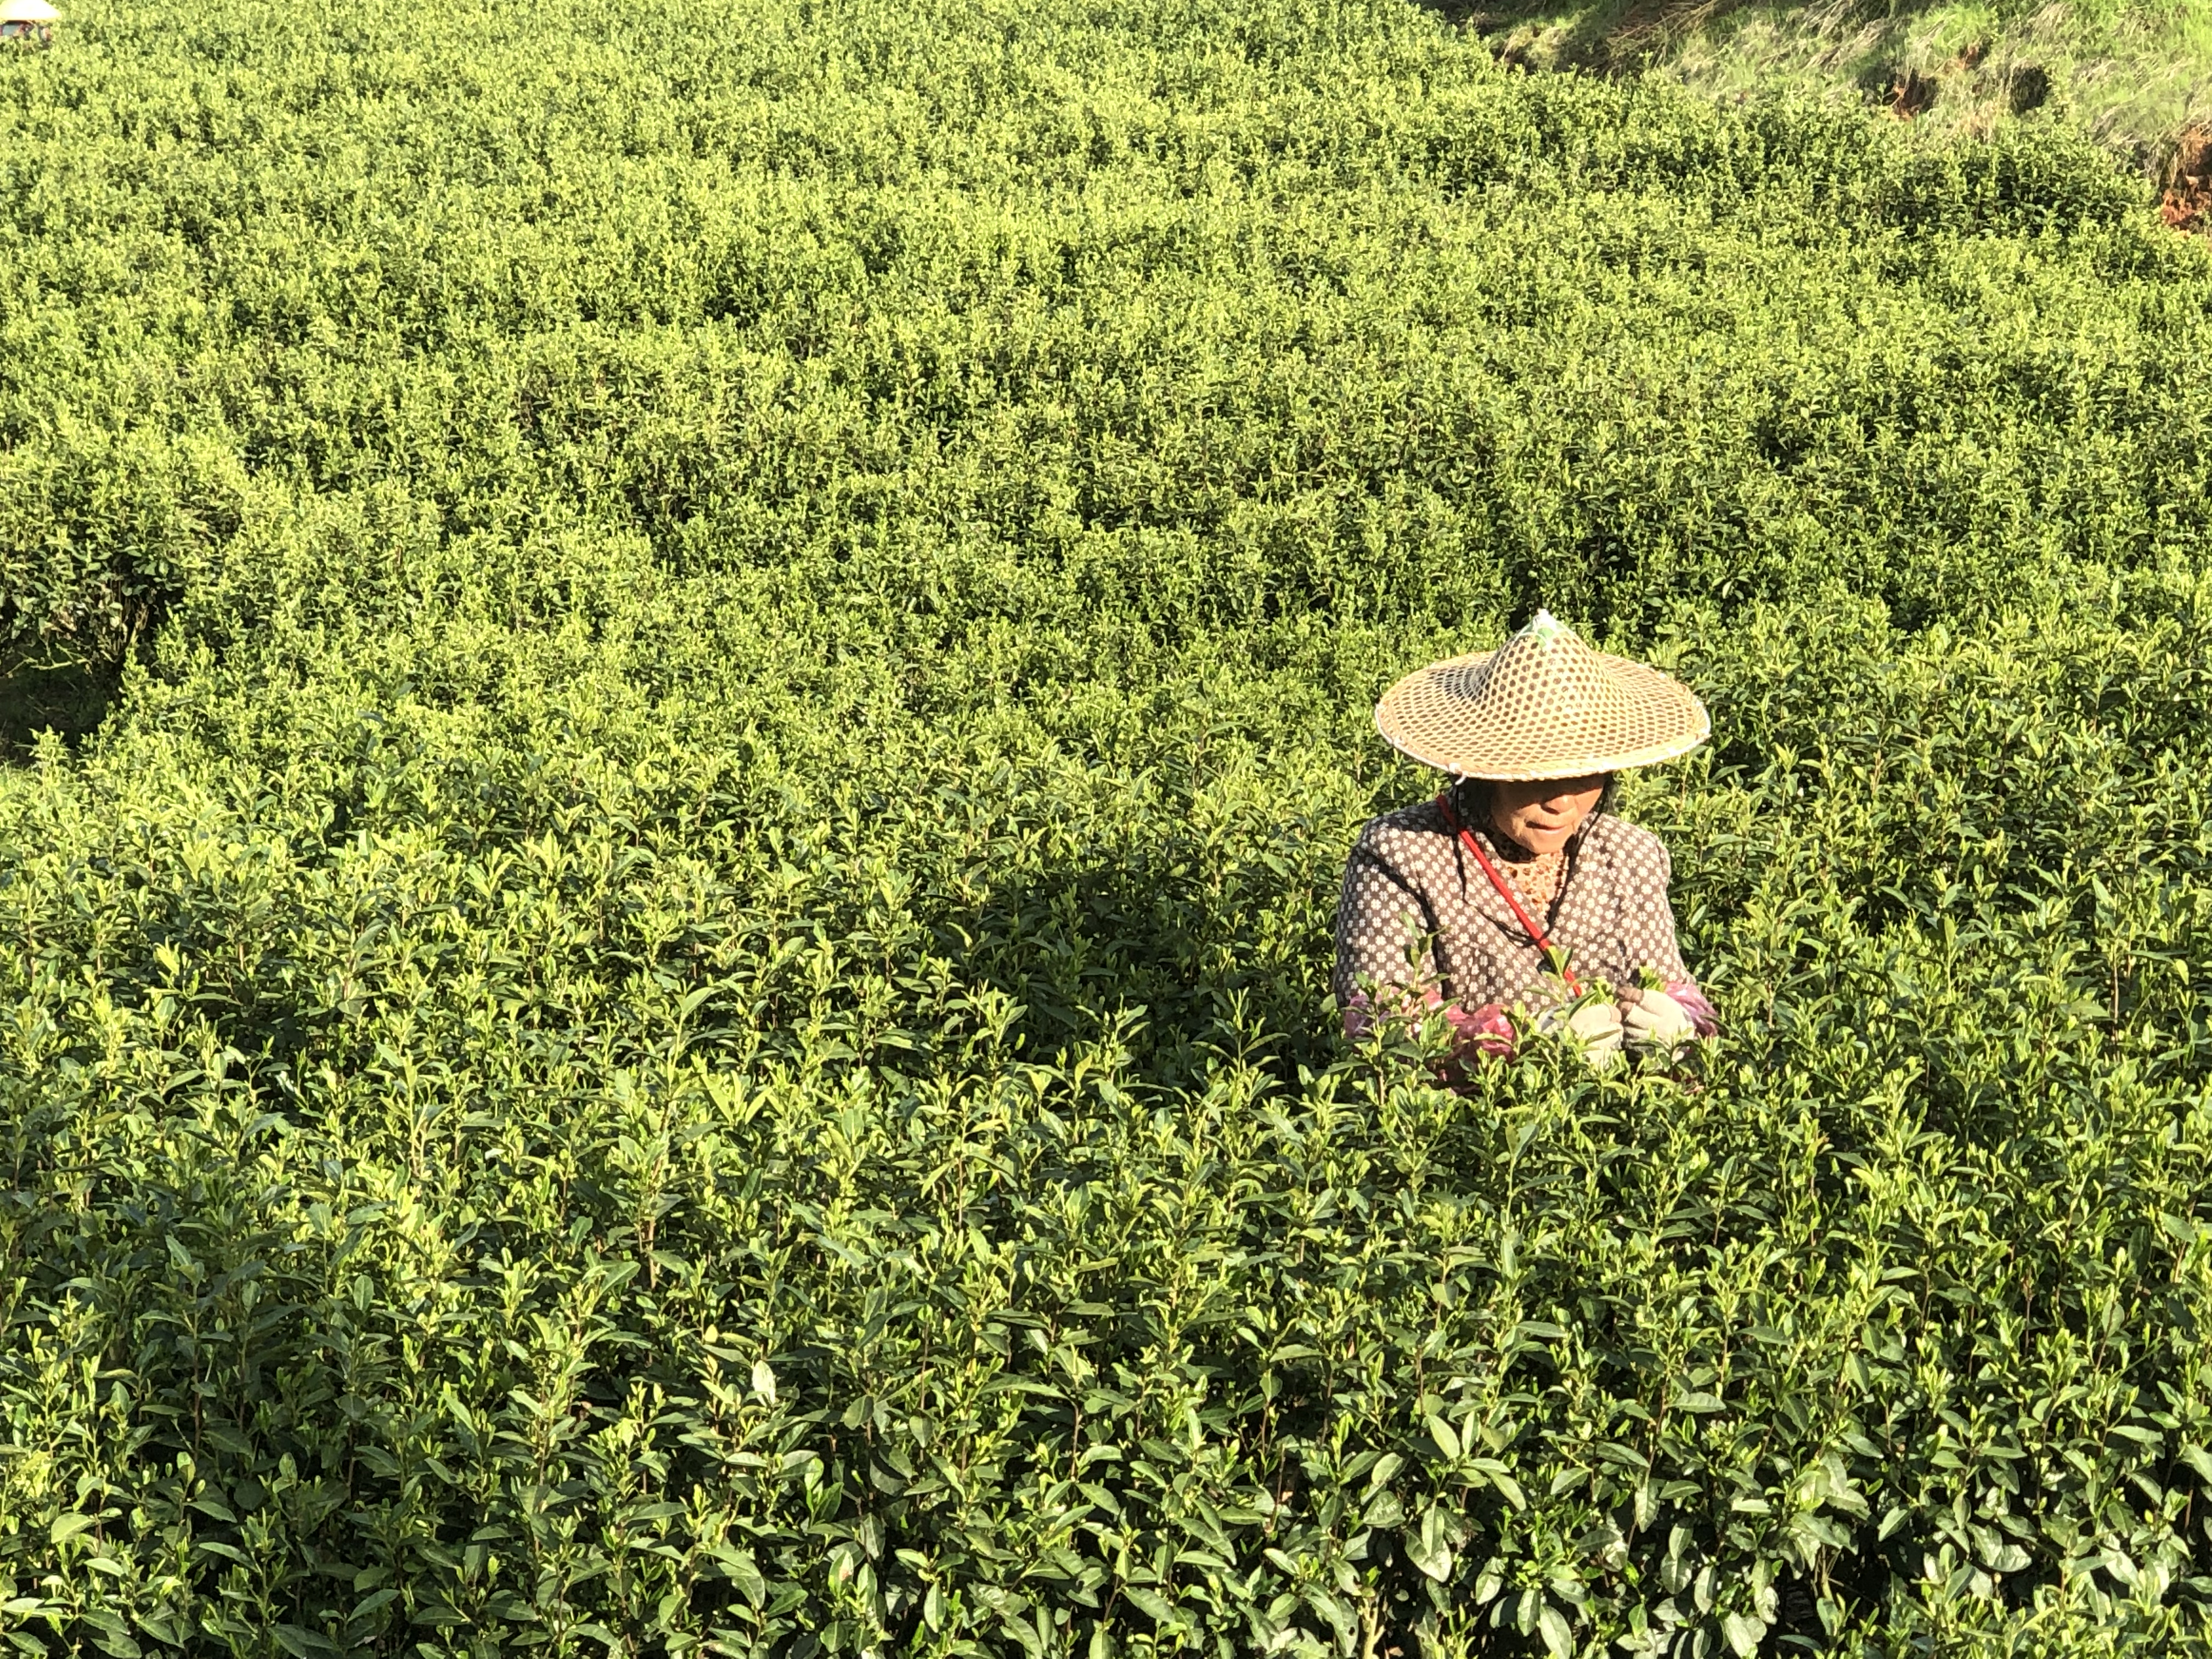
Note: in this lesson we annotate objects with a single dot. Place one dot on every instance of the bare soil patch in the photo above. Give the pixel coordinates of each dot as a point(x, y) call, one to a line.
point(2186, 201)
point(1911, 93)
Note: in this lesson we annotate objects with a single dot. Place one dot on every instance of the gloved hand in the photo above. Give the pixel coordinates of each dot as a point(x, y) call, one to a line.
point(1596, 1026)
point(1654, 1023)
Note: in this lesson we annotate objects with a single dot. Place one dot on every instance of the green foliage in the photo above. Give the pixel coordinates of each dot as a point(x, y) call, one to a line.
point(685, 1003)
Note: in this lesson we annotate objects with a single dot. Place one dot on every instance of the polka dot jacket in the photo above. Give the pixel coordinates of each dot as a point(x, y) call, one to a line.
point(1417, 911)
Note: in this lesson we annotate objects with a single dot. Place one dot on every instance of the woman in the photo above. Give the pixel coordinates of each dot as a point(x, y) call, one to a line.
point(1517, 888)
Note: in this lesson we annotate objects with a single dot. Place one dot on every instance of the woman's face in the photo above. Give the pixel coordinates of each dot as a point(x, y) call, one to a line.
point(1543, 816)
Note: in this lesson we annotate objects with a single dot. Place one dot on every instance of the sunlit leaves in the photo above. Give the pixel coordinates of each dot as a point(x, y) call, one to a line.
point(682, 1011)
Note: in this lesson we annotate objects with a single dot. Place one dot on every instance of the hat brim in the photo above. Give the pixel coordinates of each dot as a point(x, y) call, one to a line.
point(1418, 717)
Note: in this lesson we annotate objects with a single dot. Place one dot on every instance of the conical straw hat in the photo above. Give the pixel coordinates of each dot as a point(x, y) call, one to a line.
point(28, 11)
point(1542, 705)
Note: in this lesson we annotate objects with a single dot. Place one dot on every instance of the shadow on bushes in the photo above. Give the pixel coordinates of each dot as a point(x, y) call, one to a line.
point(1075, 946)
point(69, 699)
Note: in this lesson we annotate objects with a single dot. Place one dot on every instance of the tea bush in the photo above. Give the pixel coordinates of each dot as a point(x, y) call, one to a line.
point(684, 1006)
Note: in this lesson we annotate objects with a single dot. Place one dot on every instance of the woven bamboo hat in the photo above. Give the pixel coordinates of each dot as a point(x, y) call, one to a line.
point(1542, 705)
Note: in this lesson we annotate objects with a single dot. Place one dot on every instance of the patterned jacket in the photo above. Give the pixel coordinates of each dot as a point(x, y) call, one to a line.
point(1410, 883)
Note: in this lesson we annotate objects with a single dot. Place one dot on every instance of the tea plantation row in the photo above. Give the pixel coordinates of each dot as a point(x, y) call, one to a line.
point(682, 1005)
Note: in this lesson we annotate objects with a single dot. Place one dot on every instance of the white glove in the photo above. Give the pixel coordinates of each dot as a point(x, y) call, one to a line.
point(1655, 1023)
point(1597, 1029)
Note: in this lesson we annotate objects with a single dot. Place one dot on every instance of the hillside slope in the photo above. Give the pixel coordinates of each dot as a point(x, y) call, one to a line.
point(2137, 77)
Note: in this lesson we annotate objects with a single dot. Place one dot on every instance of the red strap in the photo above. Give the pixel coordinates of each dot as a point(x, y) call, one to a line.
point(1505, 887)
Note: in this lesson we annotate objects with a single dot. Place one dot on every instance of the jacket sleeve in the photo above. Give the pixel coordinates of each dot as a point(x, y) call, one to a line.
point(1383, 931)
point(1647, 918)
